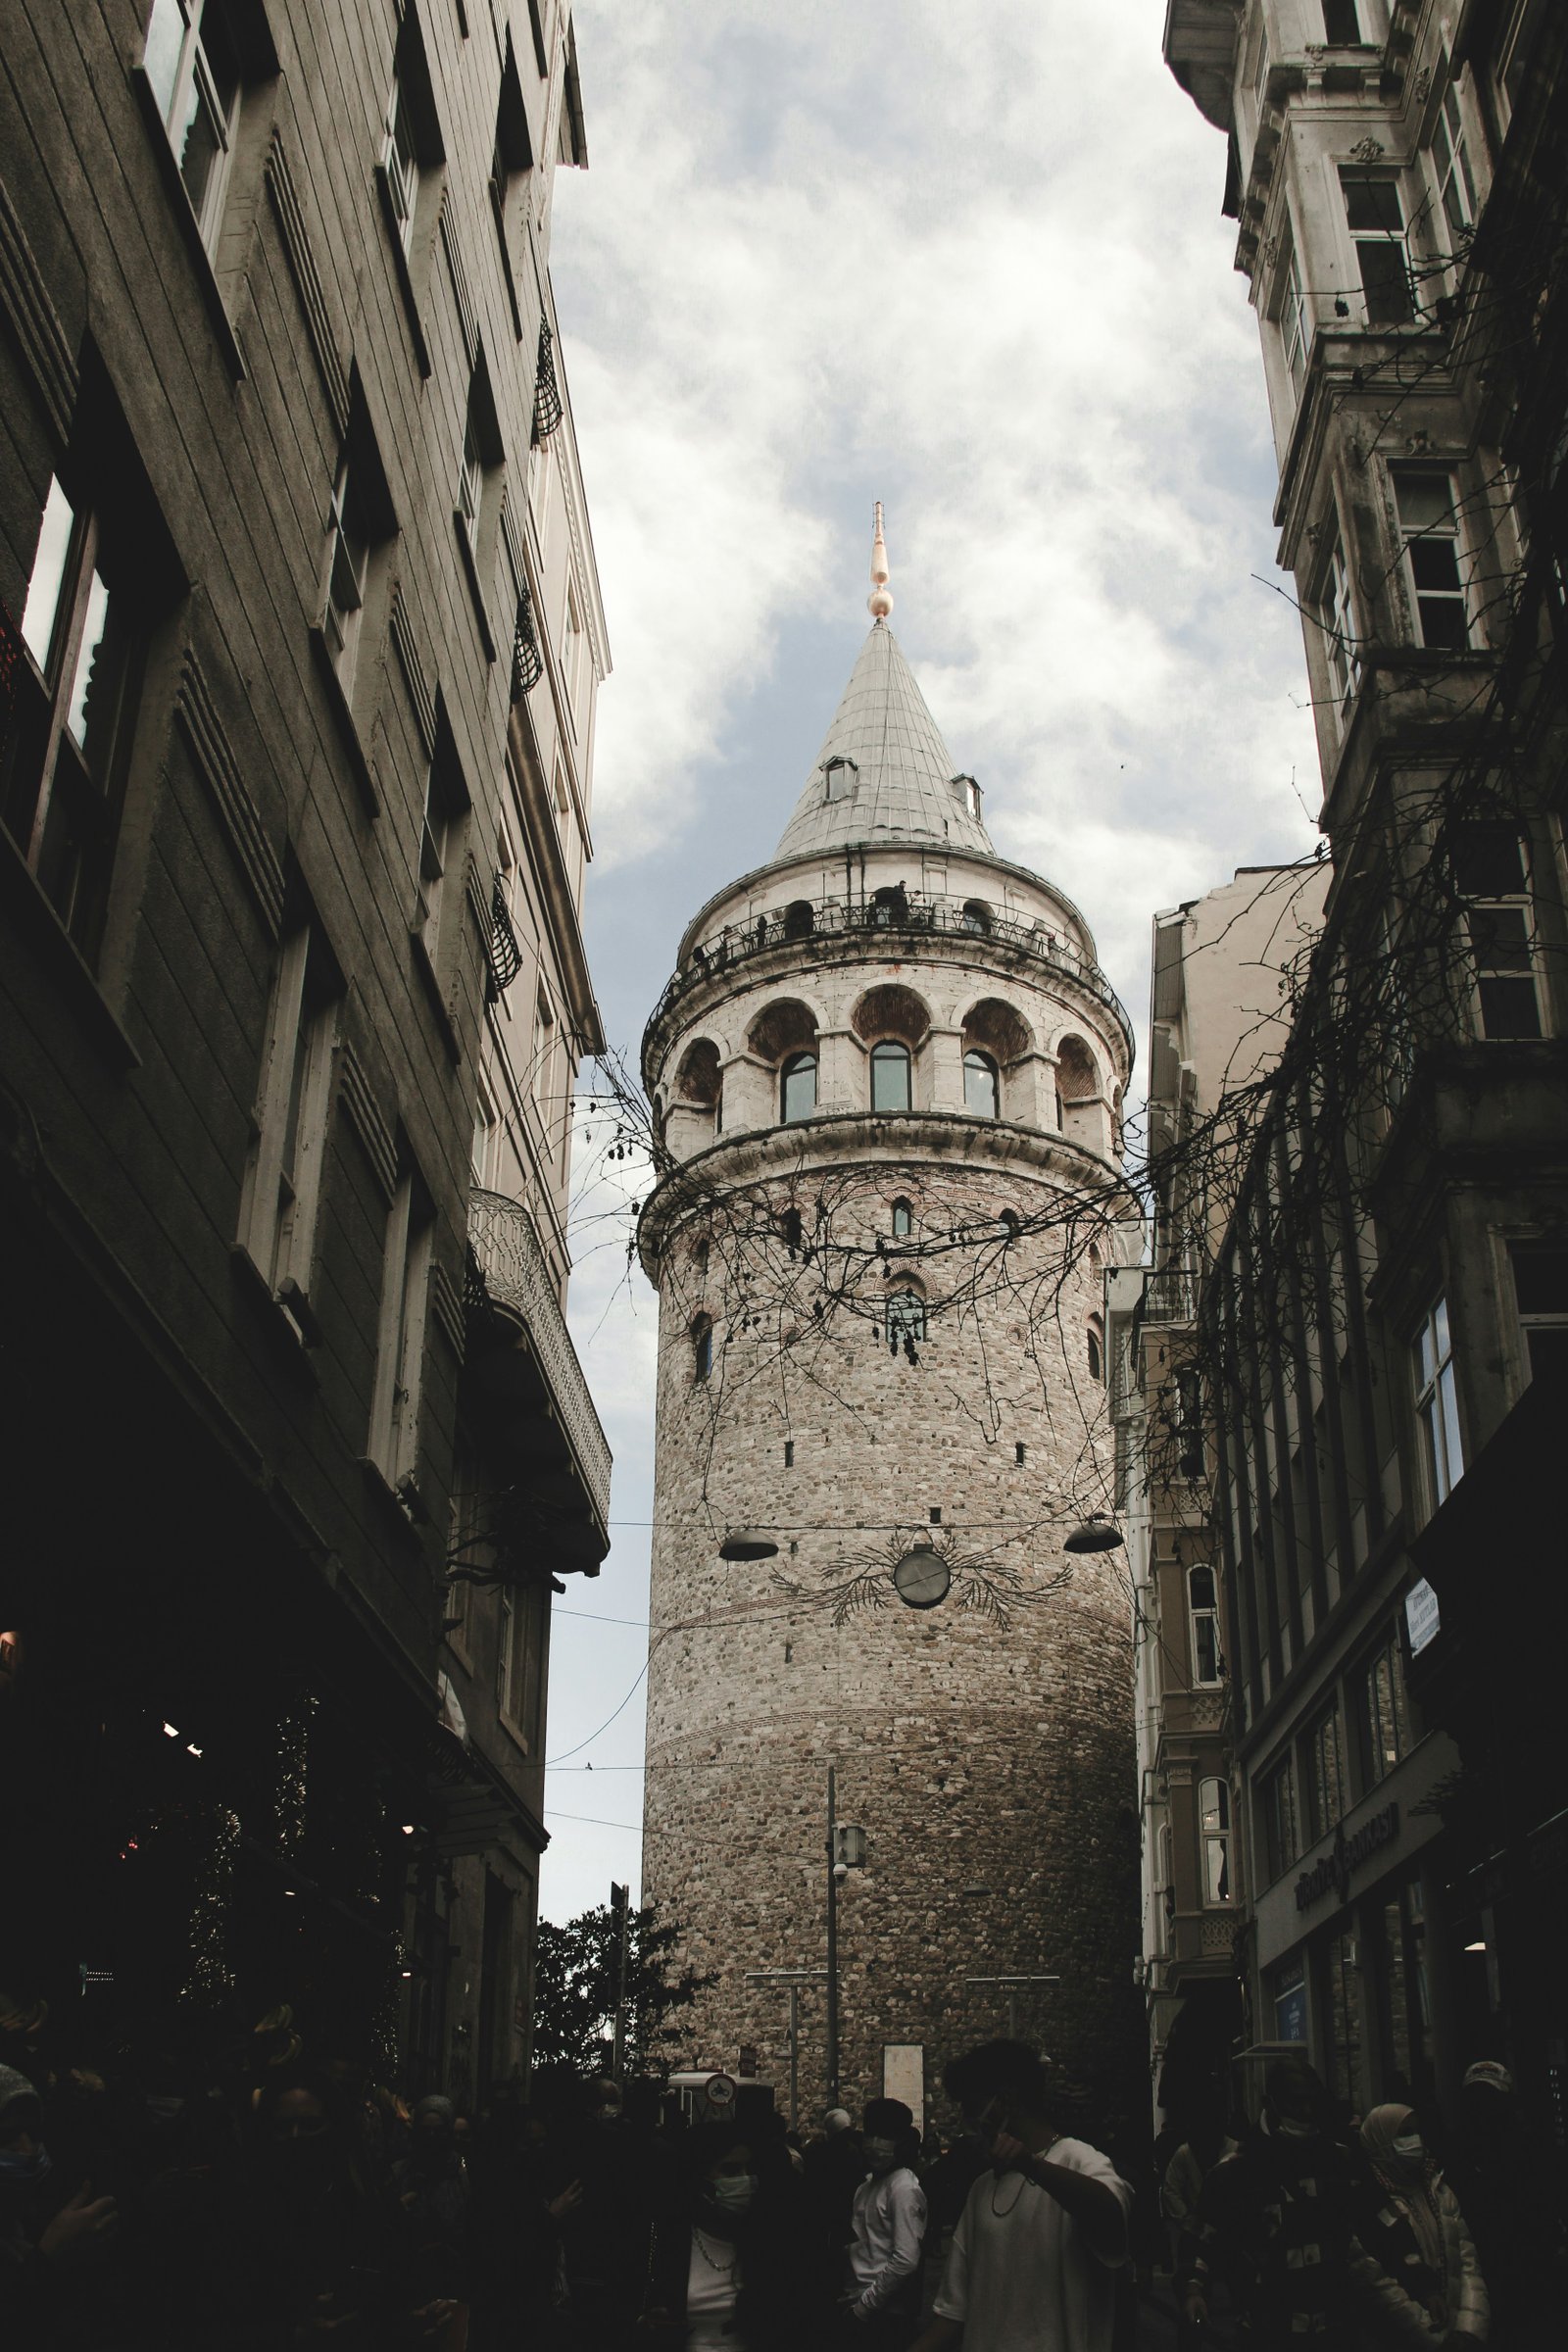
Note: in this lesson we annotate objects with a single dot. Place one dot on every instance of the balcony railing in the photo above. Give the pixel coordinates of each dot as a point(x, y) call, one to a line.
point(507, 1250)
point(1170, 1295)
point(807, 922)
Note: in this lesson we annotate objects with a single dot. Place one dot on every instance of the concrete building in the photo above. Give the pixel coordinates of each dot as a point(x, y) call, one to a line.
point(1389, 1300)
point(301, 643)
point(887, 1077)
point(1216, 1028)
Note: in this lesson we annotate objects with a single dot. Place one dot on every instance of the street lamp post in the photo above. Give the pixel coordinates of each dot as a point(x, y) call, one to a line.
point(1012, 1983)
point(794, 1978)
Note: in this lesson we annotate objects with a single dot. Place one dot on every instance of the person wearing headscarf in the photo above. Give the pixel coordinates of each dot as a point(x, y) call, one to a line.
point(1417, 2275)
point(882, 2299)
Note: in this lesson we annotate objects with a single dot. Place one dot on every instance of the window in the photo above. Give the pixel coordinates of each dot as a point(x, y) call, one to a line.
point(486, 1137)
point(1492, 878)
point(1294, 318)
point(1095, 1351)
point(283, 1186)
point(1451, 157)
point(1338, 621)
point(441, 832)
point(360, 521)
point(1276, 1812)
point(544, 1053)
point(521, 1622)
point(1203, 1617)
point(1215, 1827)
point(192, 64)
point(839, 778)
point(1324, 1756)
point(1375, 219)
point(469, 479)
point(399, 1340)
point(976, 915)
point(905, 1319)
point(1430, 531)
point(1437, 1403)
point(74, 707)
point(1541, 1293)
point(411, 151)
point(1383, 1726)
point(798, 1087)
point(890, 1077)
point(1515, 49)
point(505, 1648)
point(1340, 24)
point(902, 1220)
point(512, 153)
point(969, 792)
point(572, 642)
point(702, 1348)
point(476, 508)
point(981, 1092)
point(1287, 1998)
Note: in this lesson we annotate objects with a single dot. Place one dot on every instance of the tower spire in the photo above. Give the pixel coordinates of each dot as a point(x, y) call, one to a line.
point(879, 604)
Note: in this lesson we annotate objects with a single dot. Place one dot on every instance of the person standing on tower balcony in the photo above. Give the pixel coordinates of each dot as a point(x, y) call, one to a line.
point(883, 2299)
point(1043, 2230)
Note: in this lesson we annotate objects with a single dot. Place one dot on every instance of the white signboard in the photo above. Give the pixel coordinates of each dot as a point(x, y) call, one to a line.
point(903, 2076)
point(1421, 1616)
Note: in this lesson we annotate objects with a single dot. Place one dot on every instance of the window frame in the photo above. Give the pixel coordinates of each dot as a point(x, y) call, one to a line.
point(977, 1062)
point(1376, 279)
point(1321, 1819)
point(1200, 1614)
point(702, 1344)
point(904, 1316)
point(1336, 611)
point(902, 1220)
point(1215, 1843)
point(793, 1067)
point(1510, 958)
point(889, 1053)
point(62, 795)
point(1546, 1320)
point(1374, 1762)
point(1294, 320)
point(397, 1394)
point(193, 82)
point(1433, 538)
point(281, 1197)
point(1452, 173)
point(1435, 1397)
point(1279, 1819)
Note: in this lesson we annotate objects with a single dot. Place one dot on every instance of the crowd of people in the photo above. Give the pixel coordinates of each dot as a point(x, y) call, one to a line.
point(297, 2204)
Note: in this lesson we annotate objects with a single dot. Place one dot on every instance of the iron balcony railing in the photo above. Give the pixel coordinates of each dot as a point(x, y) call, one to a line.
point(1170, 1295)
point(806, 921)
point(506, 1247)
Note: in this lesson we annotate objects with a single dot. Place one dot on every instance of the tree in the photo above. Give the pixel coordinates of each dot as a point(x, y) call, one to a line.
point(577, 1970)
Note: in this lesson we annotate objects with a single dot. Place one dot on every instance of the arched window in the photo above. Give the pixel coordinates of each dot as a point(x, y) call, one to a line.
point(976, 915)
point(902, 1220)
point(799, 920)
point(701, 1348)
point(890, 1077)
point(906, 1318)
point(1214, 1824)
point(798, 1087)
point(981, 1093)
point(1011, 1224)
point(1095, 1349)
point(1203, 1618)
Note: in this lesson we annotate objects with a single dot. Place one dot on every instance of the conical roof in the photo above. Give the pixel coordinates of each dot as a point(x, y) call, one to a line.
point(900, 787)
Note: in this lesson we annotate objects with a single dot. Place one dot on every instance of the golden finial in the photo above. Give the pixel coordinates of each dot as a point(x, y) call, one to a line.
point(879, 602)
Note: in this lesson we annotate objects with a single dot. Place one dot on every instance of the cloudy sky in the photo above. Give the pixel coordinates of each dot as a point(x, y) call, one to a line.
point(971, 262)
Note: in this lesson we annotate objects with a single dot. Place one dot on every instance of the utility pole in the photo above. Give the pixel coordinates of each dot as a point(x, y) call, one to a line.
point(619, 1917)
point(832, 1946)
point(1012, 1983)
point(794, 1978)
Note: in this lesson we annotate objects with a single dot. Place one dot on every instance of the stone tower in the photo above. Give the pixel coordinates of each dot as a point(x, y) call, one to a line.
point(887, 1076)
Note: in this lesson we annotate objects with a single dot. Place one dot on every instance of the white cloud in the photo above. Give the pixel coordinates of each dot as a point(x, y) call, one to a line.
point(971, 262)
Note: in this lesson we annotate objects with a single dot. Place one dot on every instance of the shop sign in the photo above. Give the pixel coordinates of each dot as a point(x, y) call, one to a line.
point(1347, 1855)
point(1421, 1617)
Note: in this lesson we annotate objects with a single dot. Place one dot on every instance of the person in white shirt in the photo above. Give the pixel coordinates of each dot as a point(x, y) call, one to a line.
point(883, 2296)
point(1041, 2232)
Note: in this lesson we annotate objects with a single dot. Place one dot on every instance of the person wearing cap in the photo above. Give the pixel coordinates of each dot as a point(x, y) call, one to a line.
point(888, 2225)
point(1044, 2228)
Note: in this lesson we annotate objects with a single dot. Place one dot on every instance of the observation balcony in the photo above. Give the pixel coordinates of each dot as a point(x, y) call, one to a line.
point(1170, 1295)
point(531, 1398)
point(815, 924)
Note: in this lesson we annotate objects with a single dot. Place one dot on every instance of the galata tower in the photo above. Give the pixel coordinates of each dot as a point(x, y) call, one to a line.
point(886, 1082)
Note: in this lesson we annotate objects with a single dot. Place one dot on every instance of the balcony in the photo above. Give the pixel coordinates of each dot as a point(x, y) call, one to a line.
point(526, 1389)
point(812, 926)
point(1170, 1295)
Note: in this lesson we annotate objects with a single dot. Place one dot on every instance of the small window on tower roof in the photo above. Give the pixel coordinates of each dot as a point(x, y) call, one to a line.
point(969, 792)
point(840, 776)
